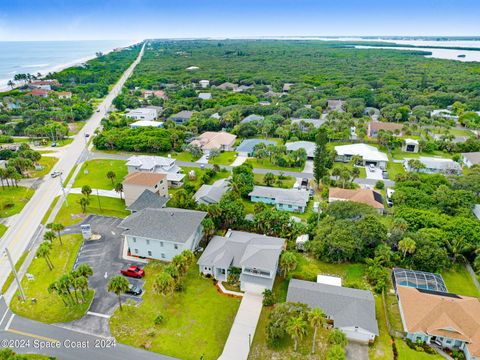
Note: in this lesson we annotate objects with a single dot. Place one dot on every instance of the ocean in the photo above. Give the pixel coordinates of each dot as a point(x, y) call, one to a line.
point(46, 56)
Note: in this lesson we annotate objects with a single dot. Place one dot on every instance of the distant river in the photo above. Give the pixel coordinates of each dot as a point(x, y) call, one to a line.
point(45, 56)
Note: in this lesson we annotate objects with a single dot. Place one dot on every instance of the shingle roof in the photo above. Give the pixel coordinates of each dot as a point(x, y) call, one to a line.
point(387, 126)
point(442, 314)
point(143, 178)
point(364, 196)
point(211, 194)
point(251, 118)
point(346, 306)
point(184, 114)
point(214, 140)
point(473, 157)
point(315, 122)
point(308, 146)
point(148, 199)
point(168, 224)
point(239, 248)
point(367, 152)
point(282, 196)
point(248, 144)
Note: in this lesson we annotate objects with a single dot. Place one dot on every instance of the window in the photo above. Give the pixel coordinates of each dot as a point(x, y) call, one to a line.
point(289, 206)
point(149, 253)
point(163, 256)
point(134, 239)
point(148, 242)
point(175, 246)
point(156, 186)
point(136, 251)
point(161, 243)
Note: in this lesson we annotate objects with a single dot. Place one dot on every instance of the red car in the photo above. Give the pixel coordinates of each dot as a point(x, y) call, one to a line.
point(133, 271)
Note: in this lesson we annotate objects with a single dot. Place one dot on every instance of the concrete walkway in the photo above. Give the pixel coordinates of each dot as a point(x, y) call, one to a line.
point(101, 192)
point(308, 167)
point(242, 332)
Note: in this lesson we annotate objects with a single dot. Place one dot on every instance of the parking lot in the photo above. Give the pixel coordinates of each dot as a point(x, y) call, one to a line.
point(105, 258)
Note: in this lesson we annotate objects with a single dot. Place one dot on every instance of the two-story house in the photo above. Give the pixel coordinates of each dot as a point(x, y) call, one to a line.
point(136, 183)
point(162, 233)
point(256, 255)
point(157, 164)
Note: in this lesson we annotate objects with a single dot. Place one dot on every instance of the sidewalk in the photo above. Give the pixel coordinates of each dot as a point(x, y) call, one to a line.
point(101, 192)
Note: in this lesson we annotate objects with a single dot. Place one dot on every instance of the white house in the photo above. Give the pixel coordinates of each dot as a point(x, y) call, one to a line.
point(157, 164)
point(369, 154)
point(147, 114)
point(204, 83)
point(433, 165)
point(470, 159)
point(162, 233)
point(411, 146)
point(146, 123)
point(308, 146)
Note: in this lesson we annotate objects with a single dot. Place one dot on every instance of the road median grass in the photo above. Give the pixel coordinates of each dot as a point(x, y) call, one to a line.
point(3, 230)
point(197, 320)
point(72, 214)
point(94, 173)
point(50, 209)
point(13, 199)
point(49, 308)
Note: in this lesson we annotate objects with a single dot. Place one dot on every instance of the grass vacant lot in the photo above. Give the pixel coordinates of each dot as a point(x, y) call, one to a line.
point(94, 173)
point(47, 162)
point(50, 307)
point(18, 264)
point(72, 214)
point(197, 320)
point(224, 158)
point(308, 268)
point(266, 164)
point(459, 282)
point(381, 349)
point(13, 199)
point(198, 181)
point(3, 229)
point(394, 169)
point(286, 183)
point(405, 353)
point(184, 156)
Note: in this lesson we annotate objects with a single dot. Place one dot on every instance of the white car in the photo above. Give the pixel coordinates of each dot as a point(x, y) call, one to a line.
point(371, 167)
point(55, 174)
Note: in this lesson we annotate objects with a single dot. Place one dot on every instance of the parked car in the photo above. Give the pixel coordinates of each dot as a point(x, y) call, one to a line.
point(54, 144)
point(133, 271)
point(55, 174)
point(134, 290)
point(371, 167)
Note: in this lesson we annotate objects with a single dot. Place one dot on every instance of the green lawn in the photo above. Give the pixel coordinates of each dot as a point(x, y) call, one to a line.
point(197, 320)
point(13, 199)
point(184, 156)
point(75, 127)
point(198, 181)
point(47, 162)
point(405, 353)
point(308, 268)
point(381, 349)
point(459, 282)
point(286, 183)
point(3, 230)
point(266, 164)
point(94, 173)
point(224, 158)
point(363, 172)
point(49, 308)
point(394, 169)
point(50, 209)
point(72, 214)
point(18, 264)
point(393, 312)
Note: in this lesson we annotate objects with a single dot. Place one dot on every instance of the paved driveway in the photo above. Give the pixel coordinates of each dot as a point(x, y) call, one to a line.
point(308, 167)
point(242, 332)
point(375, 174)
point(239, 160)
point(202, 160)
point(357, 351)
point(105, 258)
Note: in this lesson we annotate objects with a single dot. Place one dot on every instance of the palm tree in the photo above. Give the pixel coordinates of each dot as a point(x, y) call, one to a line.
point(84, 270)
point(84, 202)
point(407, 245)
point(317, 319)
point(65, 282)
point(55, 287)
point(208, 228)
point(119, 189)
point(11, 84)
point(49, 236)
point(58, 228)
point(118, 285)
point(457, 247)
point(297, 329)
point(80, 283)
point(86, 190)
point(269, 179)
point(164, 283)
point(111, 175)
point(44, 251)
point(288, 262)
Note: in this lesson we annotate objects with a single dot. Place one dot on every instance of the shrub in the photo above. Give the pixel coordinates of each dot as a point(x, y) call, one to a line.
point(159, 319)
point(380, 185)
point(337, 337)
point(268, 298)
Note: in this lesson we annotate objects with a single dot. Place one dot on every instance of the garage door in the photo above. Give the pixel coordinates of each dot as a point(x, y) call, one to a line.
point(253, 288)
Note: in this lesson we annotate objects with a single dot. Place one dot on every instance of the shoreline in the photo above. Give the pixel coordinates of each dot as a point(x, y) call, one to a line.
point(57, 68)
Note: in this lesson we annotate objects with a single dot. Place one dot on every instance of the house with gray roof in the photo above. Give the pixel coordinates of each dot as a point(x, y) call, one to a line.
point(308, 146)
point(256, 255)
point(252, 118)
point(148, 199)
point(211, 194)
point(162, 233)
point(283, 199)
point(471, 158)
point(157, 164)
point(434, 165)
point(303, 123)
point(181, 117)
point(351, 310)
point(247, 146)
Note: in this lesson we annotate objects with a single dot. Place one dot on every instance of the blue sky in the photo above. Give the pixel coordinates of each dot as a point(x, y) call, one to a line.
point(139, 19)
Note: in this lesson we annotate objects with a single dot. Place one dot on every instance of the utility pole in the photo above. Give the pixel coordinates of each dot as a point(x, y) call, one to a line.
point(98, 198)
point(63, 188)
point(14, 271)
